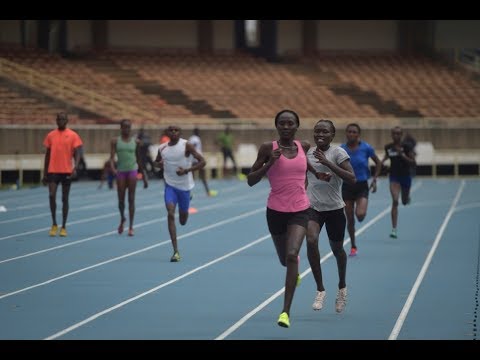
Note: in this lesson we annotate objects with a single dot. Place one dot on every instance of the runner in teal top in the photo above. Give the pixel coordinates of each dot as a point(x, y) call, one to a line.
point(126, 154)
point(126, 148)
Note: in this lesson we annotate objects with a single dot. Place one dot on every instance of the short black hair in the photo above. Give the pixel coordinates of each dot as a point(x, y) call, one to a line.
point(397, 128)
point(124, 121)
point(329, 122)
point(289, 111)
point(62, 115)
point(355, 125)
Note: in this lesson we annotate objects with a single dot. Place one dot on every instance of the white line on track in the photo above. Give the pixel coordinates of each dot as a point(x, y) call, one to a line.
point(254, 311)
point(411, 297)
point(112, 214)
point(145, 293)
point(148, 248)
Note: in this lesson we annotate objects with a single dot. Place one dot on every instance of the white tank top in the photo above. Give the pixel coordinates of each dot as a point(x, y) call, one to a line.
point(196, 142)
point(173, 158)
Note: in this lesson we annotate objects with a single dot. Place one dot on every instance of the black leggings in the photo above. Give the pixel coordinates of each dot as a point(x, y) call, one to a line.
point(334, 221)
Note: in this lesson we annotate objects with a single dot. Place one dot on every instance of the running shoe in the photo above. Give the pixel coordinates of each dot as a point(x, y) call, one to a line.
point(175, 257)
point(53, 230)
point(353, 252)
point(393, 234)
point(319, 299)
point(63, 232)
point(283, 320)
point(341, 300)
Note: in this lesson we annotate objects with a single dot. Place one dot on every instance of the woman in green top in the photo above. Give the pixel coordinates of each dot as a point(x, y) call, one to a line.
point(225, 140)
point(128, 165)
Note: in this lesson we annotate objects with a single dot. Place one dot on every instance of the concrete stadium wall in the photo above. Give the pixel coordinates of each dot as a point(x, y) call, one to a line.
point(357, 35)
point(457, 34)
point(441, 151)
point(223, 35)
point(289, 37)
point(344, 35)
point(20, 140)
point(79, 35)
point(10, 31)
point(152, 33)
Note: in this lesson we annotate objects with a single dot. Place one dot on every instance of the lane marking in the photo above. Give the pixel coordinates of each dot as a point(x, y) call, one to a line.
point(112, 214)
point(197, 231)
point(145, 293)
point(244, 319)
point(411, 297)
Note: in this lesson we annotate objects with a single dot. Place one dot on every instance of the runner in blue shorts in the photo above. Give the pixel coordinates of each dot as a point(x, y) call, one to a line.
point(402, 159)
point(174, 159)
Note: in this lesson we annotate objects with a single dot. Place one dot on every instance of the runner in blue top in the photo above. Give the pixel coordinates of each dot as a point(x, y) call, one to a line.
point(356, 195)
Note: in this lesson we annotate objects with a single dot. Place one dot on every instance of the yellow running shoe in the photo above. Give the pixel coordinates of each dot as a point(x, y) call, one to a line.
point(63, 232)
point(241, 176)
point(175, 257)
point(283, 320)
point(53, 230)
point(213, 193)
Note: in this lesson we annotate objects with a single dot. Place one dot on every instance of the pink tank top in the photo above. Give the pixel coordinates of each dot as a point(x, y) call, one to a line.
point(287, 182)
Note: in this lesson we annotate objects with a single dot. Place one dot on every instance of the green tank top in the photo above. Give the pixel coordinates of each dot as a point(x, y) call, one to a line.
point(127, 159)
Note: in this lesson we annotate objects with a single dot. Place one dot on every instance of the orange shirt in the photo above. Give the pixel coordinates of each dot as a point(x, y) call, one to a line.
point(62, 145)
point(164, 139)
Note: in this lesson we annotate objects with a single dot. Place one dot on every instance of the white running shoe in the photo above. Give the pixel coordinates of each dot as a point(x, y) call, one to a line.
point(319, 299)
point(341, 300)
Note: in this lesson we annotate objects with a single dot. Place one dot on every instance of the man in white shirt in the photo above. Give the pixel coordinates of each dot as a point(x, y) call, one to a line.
point(197, 143)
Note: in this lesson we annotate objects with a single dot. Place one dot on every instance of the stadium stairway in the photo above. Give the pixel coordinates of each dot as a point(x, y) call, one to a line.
point(149, 87)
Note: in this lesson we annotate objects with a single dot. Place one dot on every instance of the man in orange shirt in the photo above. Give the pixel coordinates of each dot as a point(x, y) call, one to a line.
point(62, 144)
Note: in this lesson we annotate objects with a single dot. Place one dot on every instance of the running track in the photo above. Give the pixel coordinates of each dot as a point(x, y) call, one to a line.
point(96, 284)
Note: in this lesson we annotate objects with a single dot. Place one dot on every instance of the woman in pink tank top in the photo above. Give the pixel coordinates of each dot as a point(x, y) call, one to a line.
point(284, 163)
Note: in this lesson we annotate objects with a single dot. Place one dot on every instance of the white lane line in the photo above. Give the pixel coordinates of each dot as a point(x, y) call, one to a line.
point(203, 208)
point(202, 229)
point(44, 203)
point(81, 196)
point(139, 296)
point(467, 206)
point(411, 297)
point(244, 319)
point(69, 224)
point(148, 207)
point(45, 214)
point(142, 208)
point(75, 242)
